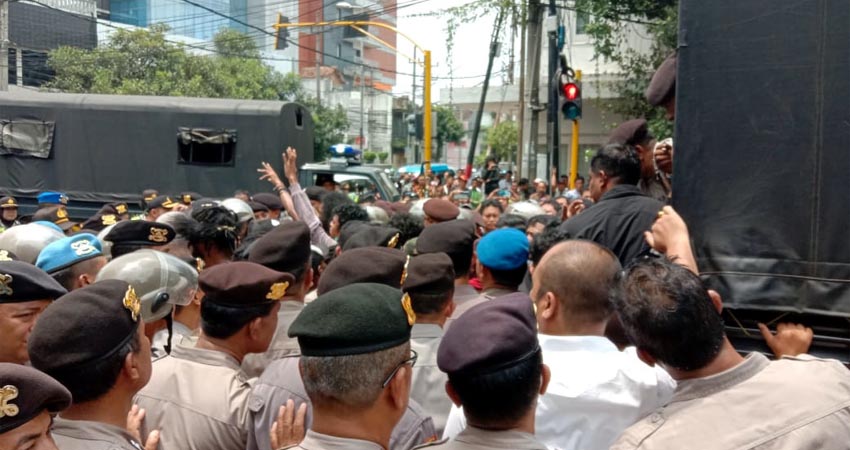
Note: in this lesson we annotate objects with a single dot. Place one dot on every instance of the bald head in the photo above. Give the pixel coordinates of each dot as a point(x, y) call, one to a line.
point(580, 276)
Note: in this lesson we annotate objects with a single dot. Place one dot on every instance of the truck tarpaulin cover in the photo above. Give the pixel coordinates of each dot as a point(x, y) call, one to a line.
point(762, 167)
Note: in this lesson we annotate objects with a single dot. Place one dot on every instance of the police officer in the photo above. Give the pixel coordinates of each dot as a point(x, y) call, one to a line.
point(496, 372)
point(107, 215)
point(92, 341)
point(58, 216)
point(132, 235)
point(25, 291)
point(356, 374)
point(73, 261)
point(430, 285)
point(373, 236)
point(50, 198)
point(158, 206)
point(439, 210)
point(282, 379)
point(238, 316)
point(635, 134)
point(662, 89)
point(27, 241)
point(9, 209)
point(28, 398)
point(456, 239)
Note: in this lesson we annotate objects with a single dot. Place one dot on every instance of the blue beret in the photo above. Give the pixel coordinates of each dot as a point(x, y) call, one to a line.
point(503, 249)
point(66, 252)
point(53, 197)
point(49, 224)
point(494, 335)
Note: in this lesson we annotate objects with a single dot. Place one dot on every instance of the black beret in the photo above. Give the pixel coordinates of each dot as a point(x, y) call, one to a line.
point(162, 201)
point(353, 320)
point(85, 327)
point(432, 273)
point(631, 132)
point(454, 238)
point(316, 193)
point(24, 282)
point(203, 203)
point(188, 197)
point(349, 229)
point(285, 248)
point(365, 265)
point(257, 206)
point(243, 283)
point(149, 194)
point(496, 334)
point(54, 214)
point(140, 232)
point(372, 236)
point(8, 202)
point(440, 210)
point(272, 201)
point(120, 207)
point(106, 216)
point(6, 255)
point(25, 393)
point(663, 84)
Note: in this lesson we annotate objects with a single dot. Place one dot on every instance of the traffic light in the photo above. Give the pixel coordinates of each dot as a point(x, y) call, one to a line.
point(282, 34)
point(571, 103)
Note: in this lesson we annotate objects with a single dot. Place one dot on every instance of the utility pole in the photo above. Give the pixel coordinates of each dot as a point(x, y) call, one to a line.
point(552, 131)
point(4, 45)
point(535, 17)
point(416, 159)
point(494, 47)
point(362, 95)
point(521, 119)
point(318, 66)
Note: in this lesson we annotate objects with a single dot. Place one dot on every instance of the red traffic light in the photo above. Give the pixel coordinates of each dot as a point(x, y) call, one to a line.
point(571, 91)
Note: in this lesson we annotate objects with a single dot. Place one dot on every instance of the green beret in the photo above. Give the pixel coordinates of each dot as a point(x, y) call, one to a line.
point(353, 320)
point(85, 327)
point(25, 393)
point(243, 283)
point(24, 282)
point(285, 248)
point(431, 273)
point(365, 265)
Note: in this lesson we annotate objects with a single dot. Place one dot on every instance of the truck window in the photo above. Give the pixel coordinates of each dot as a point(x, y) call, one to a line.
point(207, 147)
point(23, 137)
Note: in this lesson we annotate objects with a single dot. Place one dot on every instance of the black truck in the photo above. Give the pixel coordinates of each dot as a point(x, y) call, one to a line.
point(107, 148)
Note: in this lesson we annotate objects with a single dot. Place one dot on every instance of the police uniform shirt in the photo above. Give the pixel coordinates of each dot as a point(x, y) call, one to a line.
point(87, 435)
point(199, 399)
point(789, 404)
point(281, 381)
point(428, 386)
point(463, 306)
point(180, 335)
point(281, 346)
point(319, 441)
point(480, 439)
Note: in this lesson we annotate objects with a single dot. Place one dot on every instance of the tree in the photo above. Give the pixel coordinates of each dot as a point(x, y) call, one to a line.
point(502, 139)
point(609, 24)
point(449, 129)
point(329, 126)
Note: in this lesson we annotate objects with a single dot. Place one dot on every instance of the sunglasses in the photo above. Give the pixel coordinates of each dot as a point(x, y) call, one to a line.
point(411, 361)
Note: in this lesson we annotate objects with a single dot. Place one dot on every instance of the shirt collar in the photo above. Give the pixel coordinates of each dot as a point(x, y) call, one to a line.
point(319, 441)
point(620, 191)
point(426, 330)
point(89, 430)
point(203, 356)
point(703, 387)
point(598, 344)
point(497, 292)
point(512, 439)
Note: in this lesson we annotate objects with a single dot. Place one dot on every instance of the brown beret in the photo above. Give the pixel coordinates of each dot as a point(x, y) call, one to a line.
point(373, 236)
point(349, 229)
point(365, 265)
point(54, 214)
point(432, 273)
point(663, 84)
point(257, 206)
point(285, 248)
point(454, 238)
point(272, 201)
point(243, 283)
point(496, 334)
point(631, 132)
point(440, 210)
point(25, 393)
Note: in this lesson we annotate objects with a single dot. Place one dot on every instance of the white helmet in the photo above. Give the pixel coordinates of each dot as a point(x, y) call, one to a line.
point(377, 215)
point(159, 279)
point(526, 209)
point(417, 208)
point(242, 209)
point(27, 241)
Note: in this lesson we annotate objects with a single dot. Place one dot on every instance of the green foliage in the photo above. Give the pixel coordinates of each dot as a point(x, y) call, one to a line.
point(609, 33)
point(502, 139)
point(398, 144)
point(449, 129)
point(382, 156)
point(369, 157)
point(329, 126)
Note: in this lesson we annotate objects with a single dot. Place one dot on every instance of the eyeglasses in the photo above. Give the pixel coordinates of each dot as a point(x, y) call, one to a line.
point(411, 361)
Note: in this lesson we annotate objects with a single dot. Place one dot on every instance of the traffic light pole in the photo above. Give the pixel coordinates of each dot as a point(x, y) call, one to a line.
point(574, 147)
point(552, 131)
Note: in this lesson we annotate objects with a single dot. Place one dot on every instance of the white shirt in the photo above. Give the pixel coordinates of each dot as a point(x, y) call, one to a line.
point(595, 393)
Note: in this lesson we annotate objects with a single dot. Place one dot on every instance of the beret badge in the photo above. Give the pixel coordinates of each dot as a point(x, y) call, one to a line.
point(404, 272)
point(408, 309)
point(158, 235)
point(277, 291)
point(109, 219)
point(121, 209)
point(393, 243)
point(7, 394)
point(132, 303)
point(5, 282)
point(62, 214)
point(82, 248)
point(4, 256)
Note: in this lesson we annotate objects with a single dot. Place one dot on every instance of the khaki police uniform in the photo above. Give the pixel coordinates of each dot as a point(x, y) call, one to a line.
point(479, 439)
point(462, 306)
point(282, 346)
point(318, 441)
point(87, 435)
point(429, 382)
point(790, 404)
point(199, 399)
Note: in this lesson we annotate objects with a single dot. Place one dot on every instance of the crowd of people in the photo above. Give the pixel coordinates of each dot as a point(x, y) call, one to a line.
point(472, 314)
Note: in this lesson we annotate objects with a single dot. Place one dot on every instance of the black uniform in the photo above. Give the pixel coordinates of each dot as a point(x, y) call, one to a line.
point(617, 222)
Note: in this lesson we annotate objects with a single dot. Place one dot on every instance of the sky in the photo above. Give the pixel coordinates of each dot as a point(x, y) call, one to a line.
point(471, 47)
